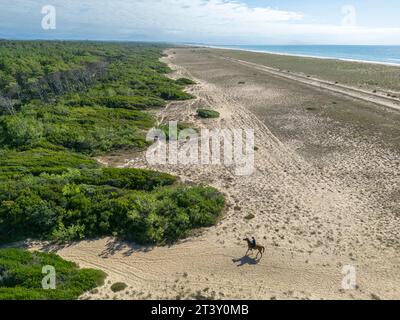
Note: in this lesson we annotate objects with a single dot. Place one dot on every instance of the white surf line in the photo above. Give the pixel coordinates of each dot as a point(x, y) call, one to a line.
point(331, 86)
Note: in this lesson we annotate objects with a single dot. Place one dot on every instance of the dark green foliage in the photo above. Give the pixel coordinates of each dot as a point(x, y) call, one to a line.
point(21, 276)
point(136, 204)
point(133, 179)
point(24, 62)
point(18, 130)
point(118, 286)
point(171, 93)
point(205, 113)
point(36, 161)
point(88, 130)
point(121, 102)
point(168, 214)
point(185, 82)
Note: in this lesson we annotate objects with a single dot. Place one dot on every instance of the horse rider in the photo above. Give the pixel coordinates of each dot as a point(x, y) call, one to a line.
point(253, 242)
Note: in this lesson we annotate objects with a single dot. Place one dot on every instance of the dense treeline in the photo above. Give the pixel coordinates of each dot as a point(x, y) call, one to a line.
point(46, 70)
point(62, 102)
point(103, 114)
point(40, 70)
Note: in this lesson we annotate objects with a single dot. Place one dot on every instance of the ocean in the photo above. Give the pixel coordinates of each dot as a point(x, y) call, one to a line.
point(379, 54)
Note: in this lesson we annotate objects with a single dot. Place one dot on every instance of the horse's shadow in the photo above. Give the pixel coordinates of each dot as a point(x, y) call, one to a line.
point(246, 260)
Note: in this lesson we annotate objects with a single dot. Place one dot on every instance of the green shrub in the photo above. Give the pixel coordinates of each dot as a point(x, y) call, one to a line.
point(169, 214)
point(185, 82)
point(119, 102)
point(118, 286)
point(205, 113)
point(36, 161)
point(133, 179)
point(172, 93)
point(21, 276)
point(19, 130)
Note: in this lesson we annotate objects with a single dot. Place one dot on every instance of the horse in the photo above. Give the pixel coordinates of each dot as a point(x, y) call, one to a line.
point(260, 249)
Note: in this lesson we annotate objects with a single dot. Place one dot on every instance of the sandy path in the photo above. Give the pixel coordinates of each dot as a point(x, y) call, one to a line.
point(311, 223)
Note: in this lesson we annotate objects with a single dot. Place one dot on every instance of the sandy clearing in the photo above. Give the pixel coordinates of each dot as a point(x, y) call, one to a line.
point(312, 221)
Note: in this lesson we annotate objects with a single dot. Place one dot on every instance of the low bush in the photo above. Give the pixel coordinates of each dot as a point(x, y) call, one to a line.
point(132, 179)
point(205, 113)
point(118, 286)
point(172, 93)
point(118, 102)
point(185, 82)
point(14, 164)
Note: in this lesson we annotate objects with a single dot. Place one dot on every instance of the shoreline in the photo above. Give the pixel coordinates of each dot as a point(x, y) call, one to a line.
point(391, 64)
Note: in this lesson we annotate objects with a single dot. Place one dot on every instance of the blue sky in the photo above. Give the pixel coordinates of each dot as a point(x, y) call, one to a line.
point(208, 21)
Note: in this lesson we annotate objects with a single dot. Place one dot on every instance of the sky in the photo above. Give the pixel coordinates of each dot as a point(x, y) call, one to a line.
point(223, 22)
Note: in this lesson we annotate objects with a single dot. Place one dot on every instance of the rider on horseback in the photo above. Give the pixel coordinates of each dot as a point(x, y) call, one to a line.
point(253, 242)
point(253, 245)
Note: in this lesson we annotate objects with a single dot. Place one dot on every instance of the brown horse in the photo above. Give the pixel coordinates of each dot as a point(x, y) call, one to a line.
point(260, 249)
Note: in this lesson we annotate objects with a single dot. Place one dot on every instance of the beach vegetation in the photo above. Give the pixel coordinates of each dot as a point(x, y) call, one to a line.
point(185, 82)
point(208, 114)
point(21, 276)
point(62, 103)
point(118, 286)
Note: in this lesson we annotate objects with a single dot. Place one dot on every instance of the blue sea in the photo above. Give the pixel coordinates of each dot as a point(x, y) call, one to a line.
point(380, 54)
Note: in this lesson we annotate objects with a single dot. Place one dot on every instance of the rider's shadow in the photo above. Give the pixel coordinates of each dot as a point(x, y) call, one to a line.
point(246, 260)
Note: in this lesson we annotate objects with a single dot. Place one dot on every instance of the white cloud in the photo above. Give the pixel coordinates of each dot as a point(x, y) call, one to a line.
point(154, 16)
point(211, 21)
point(179, 15)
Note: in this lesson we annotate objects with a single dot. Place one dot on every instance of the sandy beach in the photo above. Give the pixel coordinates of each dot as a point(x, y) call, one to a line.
point(324, 195)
